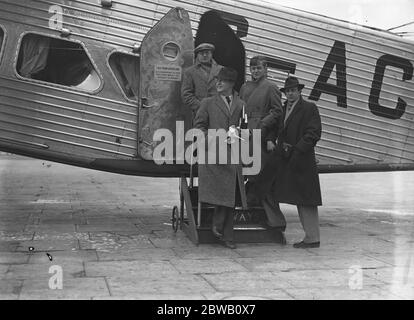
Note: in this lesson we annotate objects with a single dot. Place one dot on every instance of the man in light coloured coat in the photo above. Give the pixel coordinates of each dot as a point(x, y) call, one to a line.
point(263, 97)
point(199, 80)
point(220, 183)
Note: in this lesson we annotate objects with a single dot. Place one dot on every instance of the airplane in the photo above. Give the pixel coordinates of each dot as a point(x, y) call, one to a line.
point(88, 82)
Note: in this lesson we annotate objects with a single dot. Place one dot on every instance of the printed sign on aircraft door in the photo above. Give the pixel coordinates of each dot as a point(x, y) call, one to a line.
point(166, 51)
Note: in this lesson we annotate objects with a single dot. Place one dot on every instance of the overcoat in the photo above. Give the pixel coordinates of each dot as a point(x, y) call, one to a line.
point(197, 85)
point(296, 180)
point(260, 97)
point(218, 182)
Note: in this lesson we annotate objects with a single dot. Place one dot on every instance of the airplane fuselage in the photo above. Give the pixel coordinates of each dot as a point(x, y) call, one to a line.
point(75, 83)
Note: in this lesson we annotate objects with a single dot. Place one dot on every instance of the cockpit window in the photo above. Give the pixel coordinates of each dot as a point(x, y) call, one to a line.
point(126, 70)
point(57, 61)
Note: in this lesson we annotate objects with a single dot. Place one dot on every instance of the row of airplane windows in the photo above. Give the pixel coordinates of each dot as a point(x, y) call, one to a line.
point(67, 63)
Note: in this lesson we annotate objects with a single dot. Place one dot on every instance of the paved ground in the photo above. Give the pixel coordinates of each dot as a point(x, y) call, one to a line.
point(110, 237)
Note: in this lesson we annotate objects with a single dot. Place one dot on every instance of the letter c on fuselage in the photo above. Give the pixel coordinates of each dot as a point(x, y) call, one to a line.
point(374, 105)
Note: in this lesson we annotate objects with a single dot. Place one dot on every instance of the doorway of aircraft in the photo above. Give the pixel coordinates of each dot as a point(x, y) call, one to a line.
point(166, 51)
point(229, 51)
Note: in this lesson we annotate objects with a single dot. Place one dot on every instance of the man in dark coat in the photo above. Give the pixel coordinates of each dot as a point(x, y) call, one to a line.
point(297, 180)
point(263, 97)
point(219, 182)
point(199, 80)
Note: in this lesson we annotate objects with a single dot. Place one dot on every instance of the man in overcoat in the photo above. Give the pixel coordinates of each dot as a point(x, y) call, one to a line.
point(199, 80)
point(263, 97)
point(219, 183)
point(297, 180)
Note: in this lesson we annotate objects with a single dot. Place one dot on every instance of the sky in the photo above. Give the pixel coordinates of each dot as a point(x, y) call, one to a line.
point(383, 14)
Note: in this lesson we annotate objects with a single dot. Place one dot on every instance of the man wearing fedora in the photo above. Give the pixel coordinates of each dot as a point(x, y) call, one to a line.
point(220, 184)
point(296, 178)
point(199, 80)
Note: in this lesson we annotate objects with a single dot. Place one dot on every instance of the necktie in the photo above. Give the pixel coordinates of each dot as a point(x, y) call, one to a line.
point(228, 100)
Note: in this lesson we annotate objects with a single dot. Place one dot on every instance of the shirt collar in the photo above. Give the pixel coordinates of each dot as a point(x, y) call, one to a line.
point(199, 64)
point(224, 98)
point(258, 80)
point(294, 103)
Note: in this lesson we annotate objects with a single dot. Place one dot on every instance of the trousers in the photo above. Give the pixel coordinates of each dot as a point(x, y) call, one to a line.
point(309, 218)
point(275, 217)
point(223, 218)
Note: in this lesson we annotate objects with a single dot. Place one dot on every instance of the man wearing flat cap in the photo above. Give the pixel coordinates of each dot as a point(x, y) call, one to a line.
point(199, 80)
point(221, 183)
point(296, 180)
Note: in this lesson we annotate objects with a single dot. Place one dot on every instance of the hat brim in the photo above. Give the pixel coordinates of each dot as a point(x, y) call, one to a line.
point(299, 86)
point(203, 49)
point(226, 79)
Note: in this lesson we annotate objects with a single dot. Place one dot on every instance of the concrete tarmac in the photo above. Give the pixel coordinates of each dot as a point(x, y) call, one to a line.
point(109, 236)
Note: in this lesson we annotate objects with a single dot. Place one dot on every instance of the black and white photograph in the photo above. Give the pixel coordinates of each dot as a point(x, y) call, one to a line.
point(206, 155)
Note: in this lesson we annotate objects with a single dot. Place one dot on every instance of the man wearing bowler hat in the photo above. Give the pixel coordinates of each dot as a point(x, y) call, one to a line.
point(199, 80)
point(296, 179)
point(220, 184)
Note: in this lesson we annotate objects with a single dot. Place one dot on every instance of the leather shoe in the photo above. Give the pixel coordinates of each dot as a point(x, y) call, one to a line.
point(229, 244)
point(217, 234)
point(305, 245)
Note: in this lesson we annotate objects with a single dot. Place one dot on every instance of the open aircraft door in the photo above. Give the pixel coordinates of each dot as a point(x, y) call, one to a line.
point(166, 51)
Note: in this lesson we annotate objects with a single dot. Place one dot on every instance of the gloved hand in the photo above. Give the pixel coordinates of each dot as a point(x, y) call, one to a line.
point(287, 149)
point(233, 134)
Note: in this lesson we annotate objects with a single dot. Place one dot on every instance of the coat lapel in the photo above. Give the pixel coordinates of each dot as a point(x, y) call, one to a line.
point(296, 109)
point(222, 105)
point(235, 104)
point(254, 91)
point(282, 119)
point(214, 71)
point(203, 75)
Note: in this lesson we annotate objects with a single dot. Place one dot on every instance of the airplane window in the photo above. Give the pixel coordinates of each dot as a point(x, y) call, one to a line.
point(170, 51)
point(126, 70)
point(56, 61)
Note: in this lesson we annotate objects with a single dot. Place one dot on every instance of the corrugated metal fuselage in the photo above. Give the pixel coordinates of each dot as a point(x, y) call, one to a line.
point(361, 80)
